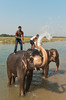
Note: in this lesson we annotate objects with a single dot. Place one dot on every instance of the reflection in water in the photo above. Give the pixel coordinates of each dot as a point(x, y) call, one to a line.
point(52, 88)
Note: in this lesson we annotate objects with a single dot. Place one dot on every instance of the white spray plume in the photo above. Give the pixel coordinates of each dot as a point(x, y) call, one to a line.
point(46, 34)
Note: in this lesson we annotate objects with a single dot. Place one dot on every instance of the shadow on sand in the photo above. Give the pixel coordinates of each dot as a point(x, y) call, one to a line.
point(52, 73)
point(39, 83)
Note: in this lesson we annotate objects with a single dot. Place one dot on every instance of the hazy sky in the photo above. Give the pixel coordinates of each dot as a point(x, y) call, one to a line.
point(35, 16)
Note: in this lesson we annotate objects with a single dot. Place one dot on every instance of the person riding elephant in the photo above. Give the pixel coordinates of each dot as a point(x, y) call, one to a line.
point(48, 56)
point(21, 66)
point(23, 63)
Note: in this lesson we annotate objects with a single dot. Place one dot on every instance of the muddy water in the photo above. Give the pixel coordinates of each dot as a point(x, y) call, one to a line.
point(53, 88)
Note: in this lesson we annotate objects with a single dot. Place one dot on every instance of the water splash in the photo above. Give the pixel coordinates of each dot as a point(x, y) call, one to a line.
point(47, 35)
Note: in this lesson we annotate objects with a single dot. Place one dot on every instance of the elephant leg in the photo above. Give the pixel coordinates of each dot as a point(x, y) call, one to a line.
point(13, 80)
point(28, 80)
point(57, 65)
point(9, 81)
point(22, 82)
point(9, 77)
point(21, 78)
point(46, 69)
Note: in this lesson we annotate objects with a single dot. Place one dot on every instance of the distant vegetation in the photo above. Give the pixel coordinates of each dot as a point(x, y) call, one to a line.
point(59, 37)
point(5, 38)
point(6, 35)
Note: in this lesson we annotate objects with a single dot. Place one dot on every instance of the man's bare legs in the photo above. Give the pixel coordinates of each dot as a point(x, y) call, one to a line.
point(33, 46)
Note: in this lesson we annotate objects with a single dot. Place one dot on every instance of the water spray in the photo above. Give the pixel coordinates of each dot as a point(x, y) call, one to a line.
point(46, 34)
point(44, 53)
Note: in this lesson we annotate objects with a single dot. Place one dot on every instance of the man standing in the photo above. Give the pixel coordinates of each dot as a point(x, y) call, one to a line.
point(19, 33)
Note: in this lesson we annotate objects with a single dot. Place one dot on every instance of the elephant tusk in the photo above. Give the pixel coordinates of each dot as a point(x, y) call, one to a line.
point(44, 53)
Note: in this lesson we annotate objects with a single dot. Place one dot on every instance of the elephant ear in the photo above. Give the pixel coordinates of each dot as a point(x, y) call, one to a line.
point(25, 59)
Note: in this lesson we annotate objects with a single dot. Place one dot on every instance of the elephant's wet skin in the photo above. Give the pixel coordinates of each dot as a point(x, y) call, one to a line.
point(21, 65)
point(53, 56)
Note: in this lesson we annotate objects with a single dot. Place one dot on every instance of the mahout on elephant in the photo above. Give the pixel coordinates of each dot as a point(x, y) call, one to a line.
point(22, 64)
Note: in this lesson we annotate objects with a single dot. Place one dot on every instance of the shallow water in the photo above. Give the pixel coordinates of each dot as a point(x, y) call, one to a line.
point(52, 88)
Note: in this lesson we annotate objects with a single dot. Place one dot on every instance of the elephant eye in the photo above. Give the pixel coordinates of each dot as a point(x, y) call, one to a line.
point(31, 59)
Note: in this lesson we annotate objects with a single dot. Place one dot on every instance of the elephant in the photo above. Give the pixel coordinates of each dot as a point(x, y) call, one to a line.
point(21, 65)
point(53, 56)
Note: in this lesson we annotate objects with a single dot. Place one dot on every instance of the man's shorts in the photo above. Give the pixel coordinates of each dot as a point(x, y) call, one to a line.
point(31, 42)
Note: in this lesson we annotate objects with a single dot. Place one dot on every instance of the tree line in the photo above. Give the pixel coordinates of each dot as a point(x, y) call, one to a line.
point(7, 35)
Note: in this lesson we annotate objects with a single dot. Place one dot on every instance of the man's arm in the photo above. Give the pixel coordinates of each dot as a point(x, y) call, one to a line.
point(23, 38)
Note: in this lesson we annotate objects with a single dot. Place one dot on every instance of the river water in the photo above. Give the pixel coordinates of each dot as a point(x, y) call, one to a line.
point(52, 88)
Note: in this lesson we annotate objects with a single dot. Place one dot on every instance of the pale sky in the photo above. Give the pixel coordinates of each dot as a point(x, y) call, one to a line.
point(35, 16)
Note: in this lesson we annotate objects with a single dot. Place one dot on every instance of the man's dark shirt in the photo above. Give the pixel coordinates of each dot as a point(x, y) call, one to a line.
point(19, 33)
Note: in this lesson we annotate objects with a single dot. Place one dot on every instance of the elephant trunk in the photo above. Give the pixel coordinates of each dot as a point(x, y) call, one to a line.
point(45, 58)
point(57, 64)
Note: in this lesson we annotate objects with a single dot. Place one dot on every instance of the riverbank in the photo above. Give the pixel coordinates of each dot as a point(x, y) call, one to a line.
point(11, 40)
